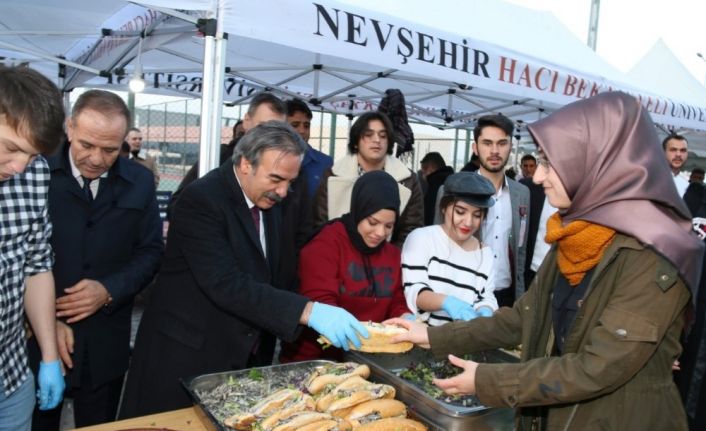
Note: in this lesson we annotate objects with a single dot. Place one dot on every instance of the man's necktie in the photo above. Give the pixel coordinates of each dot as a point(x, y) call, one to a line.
point(87, 188)
point(255, 212)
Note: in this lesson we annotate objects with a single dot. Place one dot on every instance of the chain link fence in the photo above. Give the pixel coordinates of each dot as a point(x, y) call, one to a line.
point(170, 131)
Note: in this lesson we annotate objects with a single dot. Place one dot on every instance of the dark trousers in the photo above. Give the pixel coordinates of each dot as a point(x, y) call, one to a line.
point(92, 406)
point(505, 297)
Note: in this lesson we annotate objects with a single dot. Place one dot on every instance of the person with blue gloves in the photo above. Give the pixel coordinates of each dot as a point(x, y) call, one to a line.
point(448, 273)
point(218, 302)
point(350, 263)
point(31, 118)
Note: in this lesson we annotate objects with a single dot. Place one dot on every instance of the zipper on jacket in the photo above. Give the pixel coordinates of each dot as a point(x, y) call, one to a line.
point(591, 286)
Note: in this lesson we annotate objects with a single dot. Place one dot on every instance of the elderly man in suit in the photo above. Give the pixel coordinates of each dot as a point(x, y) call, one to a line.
point(217, 303)
point(107, 241)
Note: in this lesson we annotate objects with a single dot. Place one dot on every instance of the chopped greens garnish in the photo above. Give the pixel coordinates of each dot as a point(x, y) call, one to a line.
point(255, 374)
point(421, 375)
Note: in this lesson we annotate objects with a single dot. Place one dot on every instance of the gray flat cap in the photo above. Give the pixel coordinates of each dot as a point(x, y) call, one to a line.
point(471, 188)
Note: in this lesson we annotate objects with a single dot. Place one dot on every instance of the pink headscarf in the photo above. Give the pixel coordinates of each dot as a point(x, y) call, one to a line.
point(607, 154)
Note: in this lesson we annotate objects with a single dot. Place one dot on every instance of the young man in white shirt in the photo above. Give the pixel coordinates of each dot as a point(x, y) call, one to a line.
point(505, 228)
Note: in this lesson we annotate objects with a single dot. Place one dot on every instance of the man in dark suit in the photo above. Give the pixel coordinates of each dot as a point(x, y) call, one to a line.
point(435, 173)
point(107, 240)
point(217, 303)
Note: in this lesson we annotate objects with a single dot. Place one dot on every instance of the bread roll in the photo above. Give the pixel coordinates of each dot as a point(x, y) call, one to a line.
point(302, 403)
point(266, 407)
point(370, 411)
point(352, 392)
point(379, 339)
point(342, 389)
point(333, 374)
point(328, 425)
point(393, 424)
point(297, 420)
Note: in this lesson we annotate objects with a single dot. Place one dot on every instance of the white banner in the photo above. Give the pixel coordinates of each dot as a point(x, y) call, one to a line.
point(344, 31)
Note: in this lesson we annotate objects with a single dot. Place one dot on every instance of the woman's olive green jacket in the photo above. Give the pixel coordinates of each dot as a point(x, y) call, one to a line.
point(615, 372)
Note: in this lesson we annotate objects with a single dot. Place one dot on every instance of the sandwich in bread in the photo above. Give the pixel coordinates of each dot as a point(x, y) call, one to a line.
point(328, 425)
point(298, 404)
point(351, 393)
point(333, 374)
point(266, 407)
point(379, 339)
point(330, 394)
point(297, 420)
point(374, 410)
point(392, 424)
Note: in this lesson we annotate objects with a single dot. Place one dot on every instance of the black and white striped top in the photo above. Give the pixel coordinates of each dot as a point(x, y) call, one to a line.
point(432, 260)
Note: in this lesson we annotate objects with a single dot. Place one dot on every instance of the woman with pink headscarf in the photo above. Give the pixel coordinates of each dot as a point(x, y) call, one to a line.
point(600, 324)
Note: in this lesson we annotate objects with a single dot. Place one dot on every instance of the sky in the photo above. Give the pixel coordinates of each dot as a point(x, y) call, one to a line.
point(627, 29)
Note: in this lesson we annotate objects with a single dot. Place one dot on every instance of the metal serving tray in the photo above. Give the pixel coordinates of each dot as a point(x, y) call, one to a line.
point(439, 414)
point(209, 382)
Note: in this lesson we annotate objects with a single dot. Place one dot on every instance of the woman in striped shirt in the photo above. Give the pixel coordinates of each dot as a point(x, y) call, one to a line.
point(447, 271)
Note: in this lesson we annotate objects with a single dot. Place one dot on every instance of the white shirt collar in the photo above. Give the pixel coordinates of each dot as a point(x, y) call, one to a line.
point(247, 199)
point(499, 192)
point(76, 173)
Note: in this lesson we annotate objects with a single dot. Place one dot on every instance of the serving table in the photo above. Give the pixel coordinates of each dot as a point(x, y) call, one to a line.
point(188, 419)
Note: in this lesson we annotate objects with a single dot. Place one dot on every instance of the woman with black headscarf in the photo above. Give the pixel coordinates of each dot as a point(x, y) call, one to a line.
point(600, 324)
point(349, 263)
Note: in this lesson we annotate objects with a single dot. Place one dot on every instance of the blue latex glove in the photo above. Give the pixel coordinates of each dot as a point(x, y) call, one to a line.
point(51, 385)
point(485, 311)
point(458, 309)
point(410, 317)
point(336, 324)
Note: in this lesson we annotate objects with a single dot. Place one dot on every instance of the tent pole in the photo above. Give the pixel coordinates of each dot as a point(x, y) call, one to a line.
point(131, 107)
point(211, 96)
point(467, 156)
point(593, 24)
point(64, 94)
point(456, 150)
point(332, 139)
point(321, 127)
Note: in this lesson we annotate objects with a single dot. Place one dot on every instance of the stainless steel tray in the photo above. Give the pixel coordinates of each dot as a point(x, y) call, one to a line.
point(271, 381)
point(441, 415)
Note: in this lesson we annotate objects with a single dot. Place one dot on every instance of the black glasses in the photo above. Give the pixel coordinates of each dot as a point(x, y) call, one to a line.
point(543, 161)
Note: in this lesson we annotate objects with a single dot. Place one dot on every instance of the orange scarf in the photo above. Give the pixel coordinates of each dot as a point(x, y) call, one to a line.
point(581, 246)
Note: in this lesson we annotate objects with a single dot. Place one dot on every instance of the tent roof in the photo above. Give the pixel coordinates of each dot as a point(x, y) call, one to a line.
point(659, 69)
point(525, 62)
point(662, 71)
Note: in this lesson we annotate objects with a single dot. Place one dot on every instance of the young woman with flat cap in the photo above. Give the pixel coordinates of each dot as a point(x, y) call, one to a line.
point(448, 273)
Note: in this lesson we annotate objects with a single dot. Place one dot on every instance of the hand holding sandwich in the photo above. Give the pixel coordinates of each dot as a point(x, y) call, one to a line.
point(417, 332)
point(336, 324)
point(461, 384)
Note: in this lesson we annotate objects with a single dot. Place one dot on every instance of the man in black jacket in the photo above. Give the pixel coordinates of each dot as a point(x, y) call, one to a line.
point(107, 240)
point(528, 164)
point(218, 302)
point(435, 172)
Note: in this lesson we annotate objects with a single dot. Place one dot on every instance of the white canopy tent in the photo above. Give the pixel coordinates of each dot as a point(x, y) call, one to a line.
point(660, 70)
point(335, 55)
